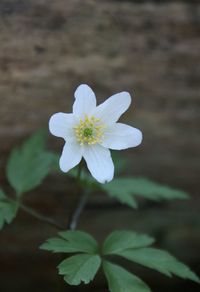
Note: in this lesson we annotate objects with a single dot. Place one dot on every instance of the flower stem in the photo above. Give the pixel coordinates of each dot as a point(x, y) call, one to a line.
point(75, 214)
point(78, 177)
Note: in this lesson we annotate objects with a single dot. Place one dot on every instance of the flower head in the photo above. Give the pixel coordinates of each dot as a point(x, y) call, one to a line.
point(90, 131)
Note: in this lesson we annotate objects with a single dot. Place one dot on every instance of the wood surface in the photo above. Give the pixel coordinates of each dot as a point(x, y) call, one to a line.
point(149, 48)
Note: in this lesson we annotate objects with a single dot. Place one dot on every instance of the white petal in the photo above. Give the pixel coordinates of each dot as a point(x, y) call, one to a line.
point(85, 101)
point(111, 109)
point(120, 136)
point(71, 156)
point(61, 125)
point(99, 163)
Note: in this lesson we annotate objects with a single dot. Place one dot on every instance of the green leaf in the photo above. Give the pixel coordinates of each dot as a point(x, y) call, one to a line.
point(120, 162)
point(81, 240)
point(70, 242)
point(55, 162)
point(124, 189)
point(8, 209)
point(36, 142)
point(120, 280)
point(8, 212)
point(59, 245)
point(120, 190)
point(80, 268)
point(121, 240)
point(30, 164)
point(160, 261)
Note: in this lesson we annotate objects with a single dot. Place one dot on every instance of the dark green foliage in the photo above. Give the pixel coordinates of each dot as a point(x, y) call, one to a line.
point(120, 280)
point(80, 267)
point(8, 209)
point(121, 240)
point(160, 261)
point(124, 190)
point(83, 266)
point(72, 241)
point(29, 164)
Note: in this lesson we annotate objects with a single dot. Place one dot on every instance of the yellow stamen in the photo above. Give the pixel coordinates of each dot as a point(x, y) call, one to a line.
point(89, 131)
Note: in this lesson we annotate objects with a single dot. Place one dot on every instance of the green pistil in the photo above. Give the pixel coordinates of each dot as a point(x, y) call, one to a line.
point(87, 132)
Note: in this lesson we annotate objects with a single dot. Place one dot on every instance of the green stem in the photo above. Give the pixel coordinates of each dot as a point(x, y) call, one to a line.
point(36, 214)
point(75, 214)
point(41, 217)
point(78, 176)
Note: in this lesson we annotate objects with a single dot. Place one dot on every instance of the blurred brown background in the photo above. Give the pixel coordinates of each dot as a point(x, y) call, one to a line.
point(149, 48)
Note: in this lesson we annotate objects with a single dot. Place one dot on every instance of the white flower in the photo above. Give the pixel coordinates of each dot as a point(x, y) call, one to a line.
point(91, 130)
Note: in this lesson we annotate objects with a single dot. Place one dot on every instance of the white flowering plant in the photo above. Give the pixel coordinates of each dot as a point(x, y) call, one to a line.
point(90, 132)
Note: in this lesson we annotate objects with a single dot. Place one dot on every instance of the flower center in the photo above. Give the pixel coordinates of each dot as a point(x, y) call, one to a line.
point(89, 131)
